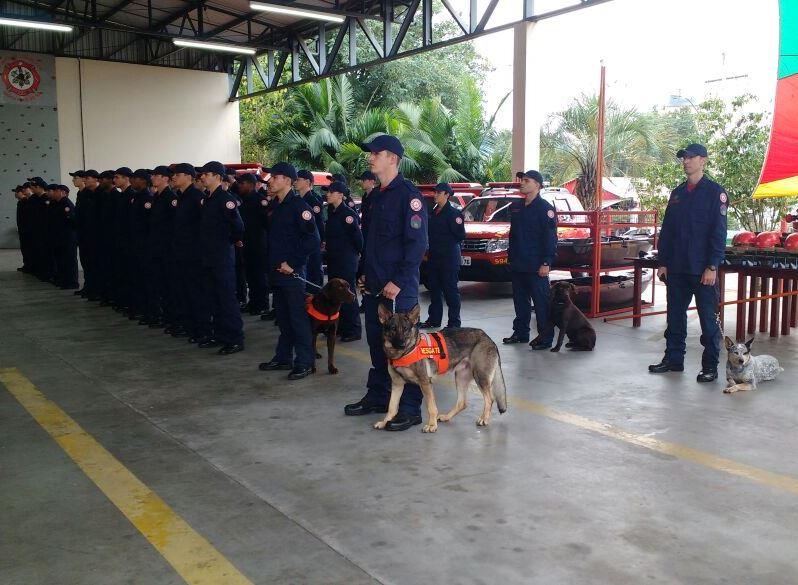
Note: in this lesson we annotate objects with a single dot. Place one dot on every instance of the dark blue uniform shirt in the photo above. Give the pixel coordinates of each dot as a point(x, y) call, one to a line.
point(344, 240)
point(316, 205)
point(187, 225)
point(533, 235)
point(140, 213)
point(397, 237)
point(220, 228)
point(446, 233)
point(693, 234)
point(292, 237)
point(255, 217)
point(162, 223)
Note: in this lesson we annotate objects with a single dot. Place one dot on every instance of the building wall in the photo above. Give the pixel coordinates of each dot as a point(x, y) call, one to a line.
point(113, 115)
point(28, 130)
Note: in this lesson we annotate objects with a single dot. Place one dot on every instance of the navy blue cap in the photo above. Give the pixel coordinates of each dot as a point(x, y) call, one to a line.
point(535, 175)
point(92, 173)
point(214, 167)
point(336, 177)
point(38, 181)
point(106, 175)
point(63, 188)
point(305, 174)
point(79, 174)
point(384, 142)
point(247, 178)
point(692, 150)
point(229, 171)
point(124, 171)
point(184, 168)
point(142, 174)
point(163, 170)
point(446, 187)
point(338, 187)
point(52, 187)
point(285, 169)
point(368, 176)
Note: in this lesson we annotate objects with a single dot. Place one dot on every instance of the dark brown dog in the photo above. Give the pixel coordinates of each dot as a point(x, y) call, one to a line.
point(567, 317)
point(322, 307)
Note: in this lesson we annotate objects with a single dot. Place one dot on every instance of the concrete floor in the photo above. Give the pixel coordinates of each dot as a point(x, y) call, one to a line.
point(291, 491)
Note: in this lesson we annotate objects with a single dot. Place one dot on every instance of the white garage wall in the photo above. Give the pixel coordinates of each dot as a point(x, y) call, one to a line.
point(115, 114)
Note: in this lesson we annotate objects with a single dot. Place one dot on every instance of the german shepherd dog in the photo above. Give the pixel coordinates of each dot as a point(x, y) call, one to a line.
point(471, 353)
point(567, 317)
point(323, 306)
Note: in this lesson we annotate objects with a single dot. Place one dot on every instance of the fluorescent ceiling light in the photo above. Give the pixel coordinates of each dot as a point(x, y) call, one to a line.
point(214, 47)
point(279, 9)
point(35, 24)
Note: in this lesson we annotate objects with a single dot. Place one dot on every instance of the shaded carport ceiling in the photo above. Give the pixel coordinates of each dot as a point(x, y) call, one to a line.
point(291, 50)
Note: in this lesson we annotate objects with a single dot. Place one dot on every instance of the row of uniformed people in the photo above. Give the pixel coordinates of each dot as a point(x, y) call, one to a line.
point(47, 232)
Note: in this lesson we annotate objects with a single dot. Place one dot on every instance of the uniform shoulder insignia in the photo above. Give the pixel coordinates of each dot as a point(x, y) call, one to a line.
point(723, 197)
point(147, 205)
point(316, 209)
point(307, 215)
point(351, 204)
point(349, 219)
point(458, 220)
point(174, 202)
point(723, 210)
point(264, 202)
point(550, 213)
point(66, 209)
point(415, 222)
point(202, 201)
point(416, 204)
point(230, 205)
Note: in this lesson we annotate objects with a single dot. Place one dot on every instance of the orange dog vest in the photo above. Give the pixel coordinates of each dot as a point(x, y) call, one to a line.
point(430, 346)
point(315, 313)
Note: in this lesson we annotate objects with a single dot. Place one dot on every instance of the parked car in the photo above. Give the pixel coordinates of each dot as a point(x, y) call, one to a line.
point(484, 254)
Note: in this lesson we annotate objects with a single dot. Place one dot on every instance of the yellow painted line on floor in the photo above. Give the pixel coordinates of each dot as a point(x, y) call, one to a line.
point(768, 478)
point(192, 556)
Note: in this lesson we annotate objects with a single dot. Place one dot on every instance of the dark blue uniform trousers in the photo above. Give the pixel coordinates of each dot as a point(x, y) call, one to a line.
point(379, 381)
point(315, 274)
point(294, 323)
point(240, 276)
point(349, 324)
point(228, 328)
point(680, 291)
point(442, 284)
point(255, 263)
point(191, 306)
point(530, 286)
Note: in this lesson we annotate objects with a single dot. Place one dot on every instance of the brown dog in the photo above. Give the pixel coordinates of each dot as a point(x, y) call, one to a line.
point(567, 317)
point(324, 309)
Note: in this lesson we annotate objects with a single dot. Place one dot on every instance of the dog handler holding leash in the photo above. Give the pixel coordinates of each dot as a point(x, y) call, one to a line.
point(692, 244)
point(395, 244)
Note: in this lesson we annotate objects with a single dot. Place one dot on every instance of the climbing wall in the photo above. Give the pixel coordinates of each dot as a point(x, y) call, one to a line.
point(28, 130)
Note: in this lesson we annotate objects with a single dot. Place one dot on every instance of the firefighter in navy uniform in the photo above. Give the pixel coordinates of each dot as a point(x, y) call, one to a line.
point(293, 237)
point(82, 214)
point(107, 195)
point(124, 200)
point(22, 193)
point(192, 315)
point(231, 186)
point(304, 187)
point(397, 240)
point(691, 246)
point(256, 245)
point(64, 238)
point(344, 245)
point(140, 275)
point(446, 234)
point(38, 222)
point(368, 181)
point(221, 230)
point(533, 244)
point(159, 247)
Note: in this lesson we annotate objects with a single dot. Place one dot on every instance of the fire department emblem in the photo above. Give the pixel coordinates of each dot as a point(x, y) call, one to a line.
point(230, 205)
point(21, 78)
point(349, 219)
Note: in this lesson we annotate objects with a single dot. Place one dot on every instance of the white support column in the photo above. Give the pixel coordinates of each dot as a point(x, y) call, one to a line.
point(526, 116)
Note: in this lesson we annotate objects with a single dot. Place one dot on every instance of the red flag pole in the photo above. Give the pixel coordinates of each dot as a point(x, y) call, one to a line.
point(600, 132)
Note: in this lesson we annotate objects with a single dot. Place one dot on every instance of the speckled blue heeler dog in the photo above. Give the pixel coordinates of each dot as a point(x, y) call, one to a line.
point(744, 371)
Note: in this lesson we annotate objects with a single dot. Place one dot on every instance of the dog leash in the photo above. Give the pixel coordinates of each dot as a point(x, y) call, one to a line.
point(313, 284)
point(371, 294)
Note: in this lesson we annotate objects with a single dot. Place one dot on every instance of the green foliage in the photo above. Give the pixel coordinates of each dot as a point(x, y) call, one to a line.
point(569, 143)
point(736, 136)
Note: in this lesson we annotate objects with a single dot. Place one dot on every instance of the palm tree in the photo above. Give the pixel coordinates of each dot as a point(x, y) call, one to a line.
point(570, 141)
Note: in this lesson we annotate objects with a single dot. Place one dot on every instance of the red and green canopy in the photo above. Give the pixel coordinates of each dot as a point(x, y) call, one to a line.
point(780, 174)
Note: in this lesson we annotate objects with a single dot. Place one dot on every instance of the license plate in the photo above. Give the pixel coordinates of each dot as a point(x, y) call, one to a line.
point(465, 260)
